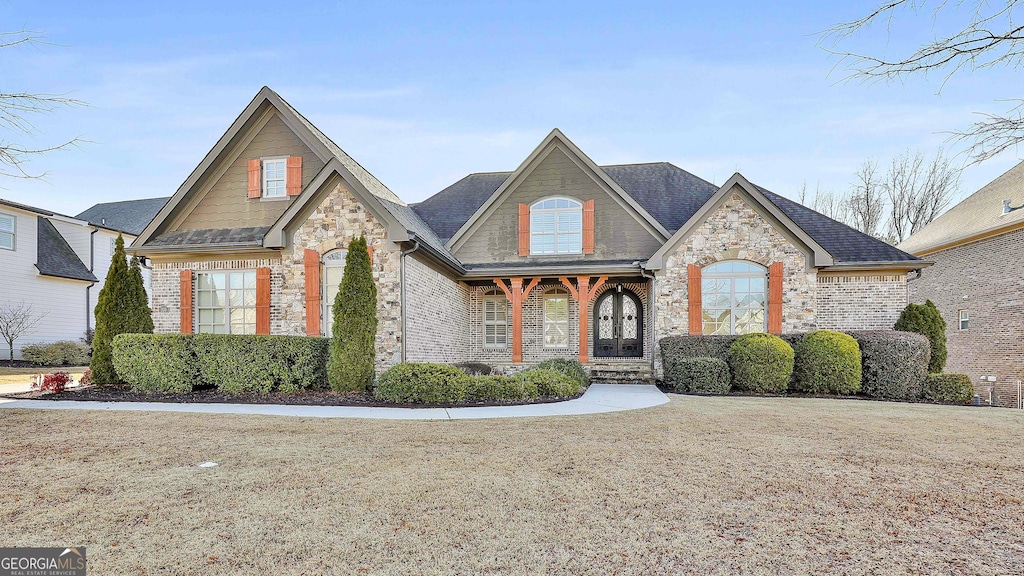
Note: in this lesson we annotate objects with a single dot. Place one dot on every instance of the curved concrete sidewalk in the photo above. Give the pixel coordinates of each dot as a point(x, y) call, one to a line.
point(598, 398)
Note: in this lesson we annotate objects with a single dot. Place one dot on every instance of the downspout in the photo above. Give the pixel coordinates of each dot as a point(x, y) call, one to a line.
point(405, 332)
point(88, 289)
point(653, 315)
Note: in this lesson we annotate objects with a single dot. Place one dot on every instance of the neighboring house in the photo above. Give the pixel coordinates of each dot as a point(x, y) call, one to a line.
point(559, 258)
point(57, 263)
point(977, 282)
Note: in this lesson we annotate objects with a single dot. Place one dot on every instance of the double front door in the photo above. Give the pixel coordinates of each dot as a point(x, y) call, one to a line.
point(618, 328)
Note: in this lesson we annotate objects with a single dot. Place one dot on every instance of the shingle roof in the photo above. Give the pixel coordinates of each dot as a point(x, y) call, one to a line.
point(129, 216)
point(671, 195)
point(28, 208)
point(978, 213)
point(211, 236)
point(54, 257)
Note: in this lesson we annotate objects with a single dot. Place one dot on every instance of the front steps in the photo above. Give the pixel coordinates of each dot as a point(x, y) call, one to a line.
point(604, 371)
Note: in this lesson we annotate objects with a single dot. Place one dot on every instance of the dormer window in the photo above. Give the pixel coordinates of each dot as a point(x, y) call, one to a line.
point(274, 177)
point(556, 227)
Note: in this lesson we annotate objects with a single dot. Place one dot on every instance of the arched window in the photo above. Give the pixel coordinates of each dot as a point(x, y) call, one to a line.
point(495, 319)
point(556, 318)
point(334, 270)
point(734, 297)
point(556, 227)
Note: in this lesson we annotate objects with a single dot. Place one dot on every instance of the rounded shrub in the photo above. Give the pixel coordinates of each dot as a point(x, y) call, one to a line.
point(948, 388)
point(570, 367)
point(550, 382)
point(761, 363)
point(827, 362)
point(894, 364)
point(700, 375)
point(925, 319)
point(501, 388)
point(62, 353)
point(422, 384)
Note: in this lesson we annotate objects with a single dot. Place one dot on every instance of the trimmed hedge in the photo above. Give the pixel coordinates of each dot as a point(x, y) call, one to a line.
point(501, 388)
point(261, 364)
point(571, 368)
point(422, 383)
point(827, 362)
point(949, 388)
point(551, 382)
point(62, 353)
point(699, 376)
point(925, 319)
point(475, 368)
point(675, 348)
point(231, 363)
point(894, 364)
point(761, 363)
point(157, 362)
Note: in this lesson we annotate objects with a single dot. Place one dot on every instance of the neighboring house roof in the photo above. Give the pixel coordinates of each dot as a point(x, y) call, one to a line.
point(670, 194)
point(54, 257)
point(27, 208)
point(978, 215)
point(129, 216)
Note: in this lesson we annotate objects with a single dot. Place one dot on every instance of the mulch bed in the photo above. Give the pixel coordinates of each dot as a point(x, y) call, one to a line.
point(300, 398)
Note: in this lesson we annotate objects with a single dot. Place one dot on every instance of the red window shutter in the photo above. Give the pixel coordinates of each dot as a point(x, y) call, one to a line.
point(524, 230)
point(694, 299)
point(263, 300)
point(312, 261)
point(293, 177)
point(185, 302)
point(588, 227)
point(369, 252)
point(775, 298)
point(254, 178)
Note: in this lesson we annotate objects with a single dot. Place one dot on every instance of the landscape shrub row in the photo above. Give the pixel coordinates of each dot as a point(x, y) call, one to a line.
point(62, 353)
point(231, 363)
point(424, 383)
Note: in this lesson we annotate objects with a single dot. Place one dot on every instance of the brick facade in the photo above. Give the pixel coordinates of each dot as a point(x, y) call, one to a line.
point(438, 317)
point(985, 279)
point(860, 301)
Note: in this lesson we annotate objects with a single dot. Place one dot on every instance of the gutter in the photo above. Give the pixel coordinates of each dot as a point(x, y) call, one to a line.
point(405, 340)
point(907, 265)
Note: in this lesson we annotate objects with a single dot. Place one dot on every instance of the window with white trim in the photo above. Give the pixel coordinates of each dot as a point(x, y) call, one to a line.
point(556, 318)
point(274, 174)
point(734, 298)
point(965, 319)
point(113, 246)
point(556, 226)
point(333, 272)
point(226, 302)
point(495, 320)
point(8, 226)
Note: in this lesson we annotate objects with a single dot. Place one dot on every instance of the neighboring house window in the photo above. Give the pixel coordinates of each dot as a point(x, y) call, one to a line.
point(113, 245)
point(733, 297)
point(556, 319)
point(965, 319)
point(226, 302)
point(334, 270)
point(495, 320)
point(556, 227)
point(274, 171)
point(7, 231)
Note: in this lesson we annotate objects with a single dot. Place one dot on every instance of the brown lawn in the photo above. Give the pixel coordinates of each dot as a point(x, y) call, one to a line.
point(10, 375)
point(697, 486)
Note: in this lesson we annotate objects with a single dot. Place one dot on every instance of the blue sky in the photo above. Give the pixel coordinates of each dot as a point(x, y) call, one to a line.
point(423, 93)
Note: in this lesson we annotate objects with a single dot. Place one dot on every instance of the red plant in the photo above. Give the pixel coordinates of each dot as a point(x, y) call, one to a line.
point(86, 379)
point(54, 383)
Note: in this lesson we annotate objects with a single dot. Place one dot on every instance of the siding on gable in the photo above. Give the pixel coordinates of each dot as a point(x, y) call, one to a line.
point(617, 234)
point(226, 205)
point(77, 236)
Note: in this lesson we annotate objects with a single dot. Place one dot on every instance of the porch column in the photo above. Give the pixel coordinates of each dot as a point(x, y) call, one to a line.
point(583, 294)
point(516, 294)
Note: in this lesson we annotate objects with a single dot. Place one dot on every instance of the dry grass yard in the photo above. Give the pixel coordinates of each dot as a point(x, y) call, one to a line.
point(10, 375)
point(697, 486)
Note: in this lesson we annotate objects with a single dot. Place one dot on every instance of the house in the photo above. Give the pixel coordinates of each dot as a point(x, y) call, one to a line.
point(558, 258)
point(57, 264)
point(977, 282)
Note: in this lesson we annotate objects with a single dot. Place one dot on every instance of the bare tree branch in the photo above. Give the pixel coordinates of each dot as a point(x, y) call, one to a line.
point(17, 320)
point(918, 192)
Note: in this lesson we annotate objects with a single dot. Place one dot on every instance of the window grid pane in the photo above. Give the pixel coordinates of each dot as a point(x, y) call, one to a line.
point(495, 322)
point(556, 227)
point(556, 321)
point(226, 303)
point(734, 298)
point(7, 240)
point(273, 178)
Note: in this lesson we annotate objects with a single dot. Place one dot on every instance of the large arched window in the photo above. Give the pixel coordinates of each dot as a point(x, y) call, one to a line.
point(334, 270)
point(734, 297)
point(556, 226)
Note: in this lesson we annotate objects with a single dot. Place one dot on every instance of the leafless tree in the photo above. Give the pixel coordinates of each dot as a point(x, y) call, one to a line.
point(17, 320)
point(16, 111)
point(918, 191)
point(990, 37)
point(867, 200)
point(834, 205)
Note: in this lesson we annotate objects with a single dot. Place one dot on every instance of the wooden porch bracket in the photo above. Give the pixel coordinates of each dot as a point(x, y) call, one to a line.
point(516, 294)
point(583, 293)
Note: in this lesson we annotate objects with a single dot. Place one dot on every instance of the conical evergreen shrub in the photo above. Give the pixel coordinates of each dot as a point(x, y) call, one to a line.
point(351, 365)
point(122, 308)
point(926, 320)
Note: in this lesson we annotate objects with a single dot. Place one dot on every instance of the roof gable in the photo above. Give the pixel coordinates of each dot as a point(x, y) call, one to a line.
point(555, 140)
point(55, 257)
point(129, 216)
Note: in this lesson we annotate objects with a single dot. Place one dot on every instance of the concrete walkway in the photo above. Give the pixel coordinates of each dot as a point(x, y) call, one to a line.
point(598, 398)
